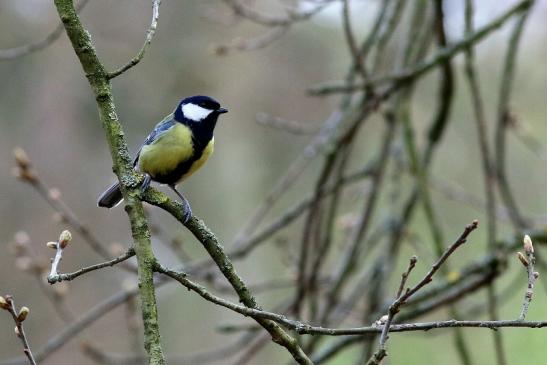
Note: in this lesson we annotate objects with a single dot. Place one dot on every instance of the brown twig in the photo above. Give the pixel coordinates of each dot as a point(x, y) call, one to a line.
point(58, 277)
point(395, 307)
point(251, 44)
point(26, 173)
point(270, 20)
point(149, 35)
point(528, 261)
point(20, 51)
point(19, 317)
point(504, 117)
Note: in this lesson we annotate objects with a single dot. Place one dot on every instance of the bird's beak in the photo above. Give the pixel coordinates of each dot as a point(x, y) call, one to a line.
point(222, 110)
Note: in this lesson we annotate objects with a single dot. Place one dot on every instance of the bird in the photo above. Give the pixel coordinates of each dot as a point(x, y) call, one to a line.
point(176, 148)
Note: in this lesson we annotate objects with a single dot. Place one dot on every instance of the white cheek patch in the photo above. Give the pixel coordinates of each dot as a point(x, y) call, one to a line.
point(195, 112)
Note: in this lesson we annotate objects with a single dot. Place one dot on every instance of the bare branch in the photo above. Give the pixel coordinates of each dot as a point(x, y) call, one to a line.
point(429, 64)
point(273, 21)
point(149, 35)
point(289, 126)
point(8, 304)
point(251, 44)
point(216, 251)
point(402, 299)
point(16, 52)
point(25, 172)
point(58, 277)
point(528, 262)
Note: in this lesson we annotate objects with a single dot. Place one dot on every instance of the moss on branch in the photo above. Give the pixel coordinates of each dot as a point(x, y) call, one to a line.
point(97, 77)
point(217, 253)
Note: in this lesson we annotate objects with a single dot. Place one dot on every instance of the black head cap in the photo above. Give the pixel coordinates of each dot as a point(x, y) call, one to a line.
point(197, 107)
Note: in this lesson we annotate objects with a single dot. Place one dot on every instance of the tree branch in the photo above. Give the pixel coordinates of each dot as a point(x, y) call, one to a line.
point(149, 35)
point(129, 180)
point(216, 251)
point(52, 279)
point(16, 52)
point(7, 304)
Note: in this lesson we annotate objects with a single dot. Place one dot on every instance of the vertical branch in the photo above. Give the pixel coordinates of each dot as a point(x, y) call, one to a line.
point(350, 40)
point(98, 80)
point(528, 261)
point(348, 261)
point(504, 117)
point(443, 113)
point(488, 171)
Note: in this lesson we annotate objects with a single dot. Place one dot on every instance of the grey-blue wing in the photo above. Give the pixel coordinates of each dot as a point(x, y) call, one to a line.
point(156, 133)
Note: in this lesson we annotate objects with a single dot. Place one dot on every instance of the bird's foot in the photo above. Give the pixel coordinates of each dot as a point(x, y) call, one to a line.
point(187, 211)
point(145, 183)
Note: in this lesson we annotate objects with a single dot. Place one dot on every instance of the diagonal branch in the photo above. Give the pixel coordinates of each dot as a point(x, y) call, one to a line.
point(16, 52)
point(395, 307)
point(217, 253)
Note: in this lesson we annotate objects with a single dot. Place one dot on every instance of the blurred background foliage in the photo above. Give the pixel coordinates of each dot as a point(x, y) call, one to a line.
point(47, 108)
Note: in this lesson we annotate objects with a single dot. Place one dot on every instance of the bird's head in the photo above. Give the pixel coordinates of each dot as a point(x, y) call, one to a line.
point(198, 108)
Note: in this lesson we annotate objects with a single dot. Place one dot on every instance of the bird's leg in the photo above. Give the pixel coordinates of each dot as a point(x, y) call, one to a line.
point(145, 183)
point(186, 206)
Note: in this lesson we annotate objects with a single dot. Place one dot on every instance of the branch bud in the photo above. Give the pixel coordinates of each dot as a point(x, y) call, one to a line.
point(528, 246)
point(52, 245)
point(65, 238)
point(23, 313)
point(522, 259)
point(54, 193)
point(16, 329)
point(536, 275)
point(21, 158)
point(3, 303)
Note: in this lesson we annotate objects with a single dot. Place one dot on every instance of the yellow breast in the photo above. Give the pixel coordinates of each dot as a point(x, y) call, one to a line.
point(165, 154)
point(163, 157)
point(208, 151)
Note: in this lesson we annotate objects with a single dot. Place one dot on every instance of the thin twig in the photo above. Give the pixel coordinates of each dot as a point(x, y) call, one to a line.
point(252, 44)
point(217, 253)
point(394, 308)
point(489, 174)
point(289, 126)
point(58, 277)
point(8, 304)
point(430, 63)
point(20, 51)
point(504, 117)
point(529, 262)
point(149, 35)
point(26, 173)
point(270, 20)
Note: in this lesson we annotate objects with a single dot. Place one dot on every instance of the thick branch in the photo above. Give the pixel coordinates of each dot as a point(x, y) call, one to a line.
point(129, 180)
point(216, 251)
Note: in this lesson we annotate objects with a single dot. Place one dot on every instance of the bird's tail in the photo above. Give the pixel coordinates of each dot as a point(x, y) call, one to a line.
point(111, 197)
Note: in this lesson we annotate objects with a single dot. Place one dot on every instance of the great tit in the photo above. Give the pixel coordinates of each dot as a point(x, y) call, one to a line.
point(177, 147)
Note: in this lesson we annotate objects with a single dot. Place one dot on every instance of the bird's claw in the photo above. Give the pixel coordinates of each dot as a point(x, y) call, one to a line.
point(145, 183)
point(187, 211)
